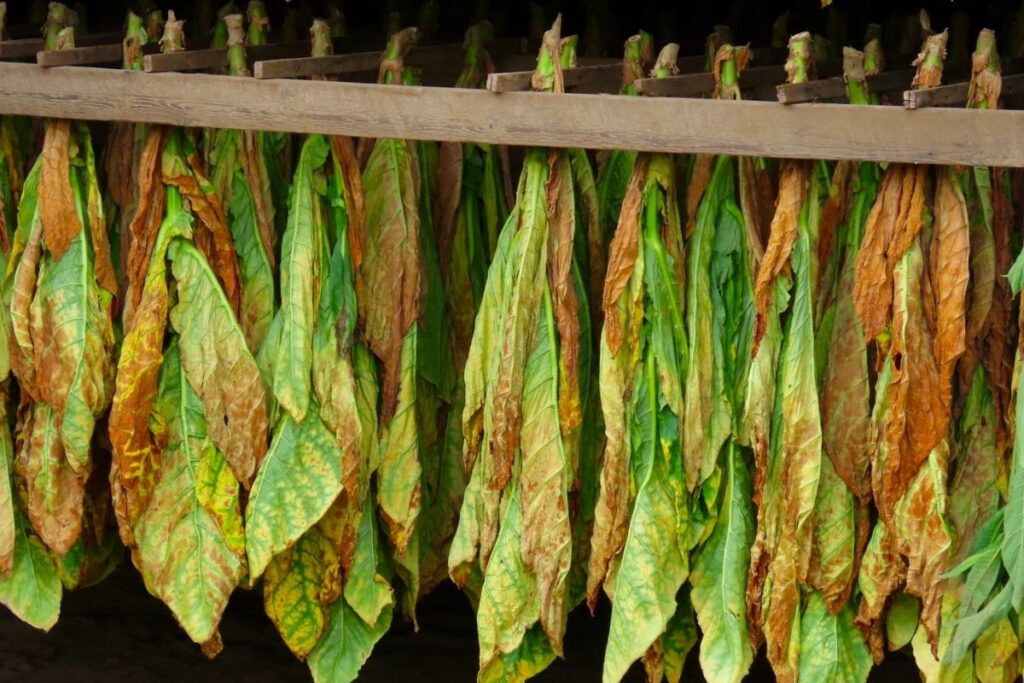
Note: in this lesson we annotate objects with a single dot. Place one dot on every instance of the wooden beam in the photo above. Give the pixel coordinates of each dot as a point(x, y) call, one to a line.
point(702, 84)
point(29, 47)
point(955, 94)
point(215, 58)
point(79, 56)
point(813, 131)
point(606, 77)
point(835, 88)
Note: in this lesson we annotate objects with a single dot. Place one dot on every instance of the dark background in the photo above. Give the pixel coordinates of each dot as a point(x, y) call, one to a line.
point(682, 21)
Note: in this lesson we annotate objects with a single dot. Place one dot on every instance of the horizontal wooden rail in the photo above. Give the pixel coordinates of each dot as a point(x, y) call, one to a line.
point(811, 131)
point(955, 94)
point(605, 77)
point(835, 88)
point(80, 56)
point(215, 58)
point(28, 47)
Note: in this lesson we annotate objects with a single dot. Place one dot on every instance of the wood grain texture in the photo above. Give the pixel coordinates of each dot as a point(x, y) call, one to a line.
point(835, 88)
point(78, 56)
point(812, 131)
point(592, 78)
point(214, 58)
point(28, 47)
point(955, 94)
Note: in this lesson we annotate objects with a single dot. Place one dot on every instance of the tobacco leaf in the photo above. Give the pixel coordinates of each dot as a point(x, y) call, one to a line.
point(8, 520)
point(103, 265)
point(781, 238)
point(218, 364)
point(834, 554)
point(392, 274)
point(623, 252)
point(297, 482)
point(32, 589)
point(145, 222)
point(874, 290)
point(58, 213)
point(190, 540)
point(295, 585)
point(55, 492)
point(255, 263)
point(652, 566)
point(544, 480)
point(832, 649)
point(718, 578)
point(950, 270)
point(301, 250)
point(355, 200)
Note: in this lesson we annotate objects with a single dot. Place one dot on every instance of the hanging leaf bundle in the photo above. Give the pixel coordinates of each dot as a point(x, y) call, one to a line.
point(980, 604)
point(247, 174)
point(809, 526)
point(525, 382)
point(911, 297)
point(59, 289)
point(640, 540)
point(311, 529)
point(189, 418)
point(404, 322)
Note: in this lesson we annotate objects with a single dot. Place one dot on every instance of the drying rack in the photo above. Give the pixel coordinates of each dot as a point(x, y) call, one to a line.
point(671, 114)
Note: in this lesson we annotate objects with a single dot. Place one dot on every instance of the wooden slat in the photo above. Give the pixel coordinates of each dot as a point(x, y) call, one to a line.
point(835, 88)
point(362, 62)
point(955, 94)
point(215, 58)
point(607, 77)
point(94, 54)
point(28, 47)
point(813, 131)
point(700, 84)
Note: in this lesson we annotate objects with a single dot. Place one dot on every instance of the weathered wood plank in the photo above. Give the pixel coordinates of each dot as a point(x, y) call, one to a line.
point(595, 77)
point(79, 56)
point(955, 94)
point(215, 58)
point(29, 47)
point(835, 88)
point(813, 131)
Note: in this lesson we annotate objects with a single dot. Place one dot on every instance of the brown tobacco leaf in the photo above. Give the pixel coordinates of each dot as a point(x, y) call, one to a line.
point(355, 202)
point(834, 211)
point(449, 192)
point(997, 340)
point(57, 209)
point(757, 199)
point(846, 394)
point(56, 493)
point(393, 272)
point(135, 452)
point(145, 223)
point(882, 573)
point(214, 240)
point(894, 223)
point(118, 162)
point(925, 540)
point(703, 164)
point(785, 227)
point(622, 253)
point(561, 229)
point(259, 186)
point(950, 272)
point(24, 292)
point(918, 414)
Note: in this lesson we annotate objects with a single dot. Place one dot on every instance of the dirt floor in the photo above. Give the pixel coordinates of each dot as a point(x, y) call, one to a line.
point(117, 632)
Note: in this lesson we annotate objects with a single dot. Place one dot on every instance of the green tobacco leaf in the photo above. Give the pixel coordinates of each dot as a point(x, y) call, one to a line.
point(1013, 518)
point(508, 601)
point(257, 274)
point(190, 554)
point(298, 481)
point(399, 471)
point(719, 578)
point(294, 584)
point(367, 590)
point(532, 656)
point(680, 637)
point(218, 363)
point(969, 629)
point(32, 589)
point(8, 523)
point(345, 645)
point(834, 538)
point(300, 272)
point(901, 621)
point(832, 647)
point(652, 567)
